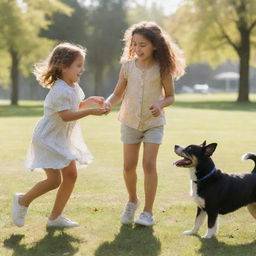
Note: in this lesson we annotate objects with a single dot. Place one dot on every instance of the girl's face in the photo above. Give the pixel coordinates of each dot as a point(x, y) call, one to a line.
point(73, 73)
point(142, 47)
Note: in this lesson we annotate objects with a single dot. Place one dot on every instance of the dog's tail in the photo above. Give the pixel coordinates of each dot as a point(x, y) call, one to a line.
point(252, 157)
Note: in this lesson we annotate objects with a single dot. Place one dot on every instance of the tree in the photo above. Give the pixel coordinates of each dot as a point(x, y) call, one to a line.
point(20, 25)
point(99, 27)
point(69, 28)
point(107, 24)
point(216, 29)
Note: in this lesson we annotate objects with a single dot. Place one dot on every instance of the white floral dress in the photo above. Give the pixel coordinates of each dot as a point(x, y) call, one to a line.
point(56, 143)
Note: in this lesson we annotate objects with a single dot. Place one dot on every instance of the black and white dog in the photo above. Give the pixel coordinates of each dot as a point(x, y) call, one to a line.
point(213, 191)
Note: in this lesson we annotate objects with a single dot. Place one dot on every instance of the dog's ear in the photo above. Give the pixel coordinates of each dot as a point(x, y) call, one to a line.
point(203, 144)
point(209, 149)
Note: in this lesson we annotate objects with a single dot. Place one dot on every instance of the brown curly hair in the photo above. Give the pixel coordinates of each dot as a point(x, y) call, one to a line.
point(62, 56)
point(167, 53)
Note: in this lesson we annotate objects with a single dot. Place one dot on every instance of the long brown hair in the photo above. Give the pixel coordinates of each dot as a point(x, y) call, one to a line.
point(167, 53)
point(63, 55)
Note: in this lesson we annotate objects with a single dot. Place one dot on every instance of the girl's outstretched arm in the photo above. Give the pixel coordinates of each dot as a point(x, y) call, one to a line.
point(168, 99)
point(118, 92)
point(92, 100)
point(69, 115)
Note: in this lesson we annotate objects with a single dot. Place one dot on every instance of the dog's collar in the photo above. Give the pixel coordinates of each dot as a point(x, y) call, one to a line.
point(207, 175)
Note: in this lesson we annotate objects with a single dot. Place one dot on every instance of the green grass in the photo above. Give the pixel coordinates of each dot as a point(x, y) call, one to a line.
point(100, 195)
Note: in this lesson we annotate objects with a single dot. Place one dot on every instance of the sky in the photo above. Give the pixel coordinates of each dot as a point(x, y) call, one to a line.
point(169, 6)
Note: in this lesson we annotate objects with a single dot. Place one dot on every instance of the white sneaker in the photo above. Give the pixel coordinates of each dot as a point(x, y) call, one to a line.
point(18, 211)
point(62, 222)
point(128, 213)
point(145, 219)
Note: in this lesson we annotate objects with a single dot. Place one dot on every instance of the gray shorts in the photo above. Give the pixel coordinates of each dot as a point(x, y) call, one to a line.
point(133, 136)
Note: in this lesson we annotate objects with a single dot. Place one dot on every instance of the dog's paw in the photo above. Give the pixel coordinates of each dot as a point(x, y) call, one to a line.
point(189, 232)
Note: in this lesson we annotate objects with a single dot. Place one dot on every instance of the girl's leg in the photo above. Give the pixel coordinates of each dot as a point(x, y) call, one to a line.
point(21, 202)
point(131, 156)
point(150, 174)
point(69, 176)
point(52, 182)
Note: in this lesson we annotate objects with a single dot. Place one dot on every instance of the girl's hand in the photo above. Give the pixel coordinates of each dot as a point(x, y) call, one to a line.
point(98, 111)
point(155, 110)
point(98, 100)
point(108, 106)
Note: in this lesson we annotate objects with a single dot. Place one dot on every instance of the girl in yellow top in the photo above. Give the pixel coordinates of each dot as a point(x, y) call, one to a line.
point(150, 61)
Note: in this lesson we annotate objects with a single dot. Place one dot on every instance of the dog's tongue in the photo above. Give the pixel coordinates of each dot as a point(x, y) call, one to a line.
point(178, 162)
point(181, 162)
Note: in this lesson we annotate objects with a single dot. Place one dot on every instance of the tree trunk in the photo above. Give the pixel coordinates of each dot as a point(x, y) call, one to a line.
point(244, 56)
point(14, 77)
point(98, 77)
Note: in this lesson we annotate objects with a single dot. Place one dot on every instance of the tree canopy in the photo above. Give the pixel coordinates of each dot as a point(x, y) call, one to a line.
point(214, 30)
point(20, 26)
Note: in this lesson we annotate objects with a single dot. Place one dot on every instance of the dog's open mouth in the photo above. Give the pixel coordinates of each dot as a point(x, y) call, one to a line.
point(183, 162)
point(186, 160)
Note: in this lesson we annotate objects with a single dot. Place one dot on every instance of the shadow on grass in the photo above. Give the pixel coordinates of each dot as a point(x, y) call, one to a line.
point(135, 241)
point(212, 247)
point(217, 105)
point(56, 242)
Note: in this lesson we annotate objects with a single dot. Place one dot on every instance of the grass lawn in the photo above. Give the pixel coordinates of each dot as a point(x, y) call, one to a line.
point(100, 194)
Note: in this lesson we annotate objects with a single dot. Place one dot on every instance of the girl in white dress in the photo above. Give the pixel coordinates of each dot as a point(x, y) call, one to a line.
point(57, 144)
